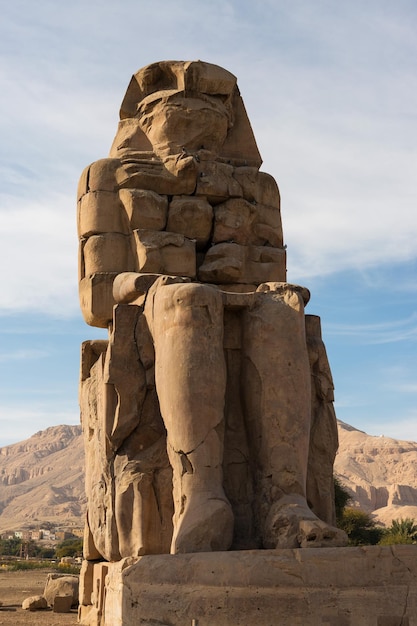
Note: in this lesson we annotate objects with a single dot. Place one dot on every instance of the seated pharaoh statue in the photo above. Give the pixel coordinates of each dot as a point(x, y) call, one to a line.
point(208, 414)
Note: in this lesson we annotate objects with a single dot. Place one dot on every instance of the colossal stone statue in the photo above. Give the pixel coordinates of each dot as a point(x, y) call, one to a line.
point(200, 410)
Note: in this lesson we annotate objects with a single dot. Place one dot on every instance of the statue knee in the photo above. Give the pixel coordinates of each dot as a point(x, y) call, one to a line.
point(191, 298)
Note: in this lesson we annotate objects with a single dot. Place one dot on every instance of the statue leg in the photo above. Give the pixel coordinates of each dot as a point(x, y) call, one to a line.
point(323, 434)
point(190, 374)
point(276, 387)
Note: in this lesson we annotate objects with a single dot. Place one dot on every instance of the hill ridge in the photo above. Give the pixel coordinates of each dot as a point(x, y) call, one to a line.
point(42, 477)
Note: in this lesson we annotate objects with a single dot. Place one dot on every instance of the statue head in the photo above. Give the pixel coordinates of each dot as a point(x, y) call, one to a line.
point(172, 106)
point(174, 122)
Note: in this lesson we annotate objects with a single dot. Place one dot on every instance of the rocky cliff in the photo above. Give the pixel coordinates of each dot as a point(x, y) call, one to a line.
point(42, 478)
point(379, 472)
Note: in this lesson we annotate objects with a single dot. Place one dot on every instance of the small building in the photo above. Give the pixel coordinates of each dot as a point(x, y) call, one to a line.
point(61, 535)
point(37, 535)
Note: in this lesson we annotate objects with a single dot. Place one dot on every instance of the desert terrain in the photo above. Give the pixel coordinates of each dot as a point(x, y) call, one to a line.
point(14, 588)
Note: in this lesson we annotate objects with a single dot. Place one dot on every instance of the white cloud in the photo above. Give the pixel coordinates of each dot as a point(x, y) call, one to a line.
point(407, 388)
point(404, 429)
point(20, 422)
point(23, 355)
point(333, 119)
point(400, 377)
point(346, 178)
point(331, 92)
point(377, 333)
point(38, 242)
point(349, 401)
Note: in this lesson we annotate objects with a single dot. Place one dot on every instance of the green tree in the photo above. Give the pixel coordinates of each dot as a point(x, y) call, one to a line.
point(29, 548)
point(400, 531)
point(69, 547)
point(341, 498)
point(47, 553)
point(359, 527)
point(10, 547)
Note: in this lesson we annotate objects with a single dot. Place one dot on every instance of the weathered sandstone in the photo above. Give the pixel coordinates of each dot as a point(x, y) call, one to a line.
point(366, 586)
point(208, 415)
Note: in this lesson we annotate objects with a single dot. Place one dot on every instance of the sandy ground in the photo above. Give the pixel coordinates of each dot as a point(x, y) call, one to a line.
point(14, 588)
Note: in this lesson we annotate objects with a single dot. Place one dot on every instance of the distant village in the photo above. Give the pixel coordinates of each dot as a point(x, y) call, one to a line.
point(49, 541)
point(48, 535)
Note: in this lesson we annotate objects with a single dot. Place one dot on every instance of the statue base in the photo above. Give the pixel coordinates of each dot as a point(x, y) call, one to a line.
point(354, 586)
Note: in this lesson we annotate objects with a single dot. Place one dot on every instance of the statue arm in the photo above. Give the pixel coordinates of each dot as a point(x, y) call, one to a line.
point(105, 247)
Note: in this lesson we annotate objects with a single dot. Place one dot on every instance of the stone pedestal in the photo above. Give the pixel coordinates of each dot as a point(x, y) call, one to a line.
point(354, 586)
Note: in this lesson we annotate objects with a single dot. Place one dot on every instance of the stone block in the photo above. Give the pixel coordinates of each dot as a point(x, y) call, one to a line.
point(266, 264)
point(99, 582)
point(216, 182)
point(129, 286)
point(355, 586)
point(34, 603)
point(155, 176)
point(192, 217)
point(268, 226)
point(92, 592)
point(247, 223)
point(224, 263)
point(101, 212)
point(234, 263)
point(102, 175)
point(96, 298)
point(110, 252)
point(86, 587)
point(91, 351)
point(145, 209)
point(266, 191)
point(165, 253)
point(62, 604)
point(61, 585)
point(234, 221)
point(83, 183)
point(258, 186)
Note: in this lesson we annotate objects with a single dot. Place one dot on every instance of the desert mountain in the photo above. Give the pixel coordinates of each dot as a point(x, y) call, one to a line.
point(379, 472)
point(42, 478)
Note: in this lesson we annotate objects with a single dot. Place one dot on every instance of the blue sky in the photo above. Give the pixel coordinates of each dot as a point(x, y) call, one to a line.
point(331, 92)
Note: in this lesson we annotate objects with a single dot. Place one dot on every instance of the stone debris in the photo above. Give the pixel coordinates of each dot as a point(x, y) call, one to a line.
point(34, 603)
point(61, 585)
point(63, 604)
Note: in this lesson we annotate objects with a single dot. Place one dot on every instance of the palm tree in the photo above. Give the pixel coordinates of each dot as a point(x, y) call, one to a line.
point(341, 497)
point(400, 531)
point(406, 527)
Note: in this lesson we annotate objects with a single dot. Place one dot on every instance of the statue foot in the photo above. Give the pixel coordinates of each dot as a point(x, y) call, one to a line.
point(292, 524)
point(205, 526)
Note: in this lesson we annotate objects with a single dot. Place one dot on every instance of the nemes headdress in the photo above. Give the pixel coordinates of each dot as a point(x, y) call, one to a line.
point(189, 79)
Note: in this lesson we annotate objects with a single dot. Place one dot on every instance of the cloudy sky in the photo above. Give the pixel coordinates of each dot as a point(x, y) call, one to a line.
point(331, 91)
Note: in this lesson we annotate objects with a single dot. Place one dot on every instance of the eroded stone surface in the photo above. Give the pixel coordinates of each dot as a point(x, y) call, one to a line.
point(61, 585)
point(214, 385)
point(63, 604)
point(357, 586)
point(34, 603)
